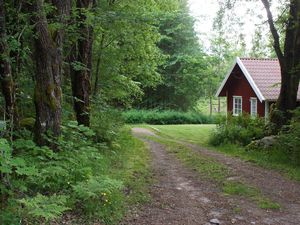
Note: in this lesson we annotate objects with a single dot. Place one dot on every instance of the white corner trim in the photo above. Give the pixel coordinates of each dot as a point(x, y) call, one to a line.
point(250, 80)
point(248, 77)
point(267, 109)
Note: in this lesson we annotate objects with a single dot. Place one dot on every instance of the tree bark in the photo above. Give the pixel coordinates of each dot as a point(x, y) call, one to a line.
point(7, 83)
point(48, 57)
point(289, 60)
point(81, 79)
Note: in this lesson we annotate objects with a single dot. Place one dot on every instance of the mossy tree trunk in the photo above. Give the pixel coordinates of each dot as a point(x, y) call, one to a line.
point(289, 58)
point(48, 57)
point(81, 78)
point(6, 79)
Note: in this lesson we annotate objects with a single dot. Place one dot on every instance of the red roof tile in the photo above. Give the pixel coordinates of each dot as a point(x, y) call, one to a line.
point(266, 75)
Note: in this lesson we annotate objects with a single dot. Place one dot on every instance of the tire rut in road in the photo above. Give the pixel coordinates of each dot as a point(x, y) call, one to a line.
point(181, 197)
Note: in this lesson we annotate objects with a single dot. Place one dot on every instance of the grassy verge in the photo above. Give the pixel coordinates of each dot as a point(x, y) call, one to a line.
point(212, 170)
point(130, 164)
point(83, 182)
point(199, 135)
point(132, 167)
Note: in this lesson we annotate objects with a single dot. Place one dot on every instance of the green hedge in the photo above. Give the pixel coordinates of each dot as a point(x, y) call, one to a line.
point(166, 117)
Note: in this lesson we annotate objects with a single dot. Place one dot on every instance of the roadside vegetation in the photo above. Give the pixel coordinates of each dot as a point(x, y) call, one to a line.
point(166, 117)
point(83, 179)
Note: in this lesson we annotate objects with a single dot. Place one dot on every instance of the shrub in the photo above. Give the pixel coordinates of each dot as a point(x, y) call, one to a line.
point(239, 130)
point(106, 123)
point(100, 195)
point(165, 117)
point(39, 185)
point(43, 208)
point(289, 138)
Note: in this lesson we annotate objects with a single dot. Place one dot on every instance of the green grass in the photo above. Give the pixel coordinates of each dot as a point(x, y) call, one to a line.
point(165, 117)
point(212, 170)
point(196, 134)
point(130, 164)
point(206, 166)
point(199, 135)
point(240, 189)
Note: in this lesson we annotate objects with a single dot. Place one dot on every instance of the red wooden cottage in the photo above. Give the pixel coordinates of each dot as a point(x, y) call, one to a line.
point(251, 86)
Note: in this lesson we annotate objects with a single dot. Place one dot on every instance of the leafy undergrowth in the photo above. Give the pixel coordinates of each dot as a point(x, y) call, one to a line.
point(210, 169)
point(83, 179)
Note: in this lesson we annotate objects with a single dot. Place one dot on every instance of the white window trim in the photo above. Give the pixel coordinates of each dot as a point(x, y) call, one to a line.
point(251, 112)
point(233, 102)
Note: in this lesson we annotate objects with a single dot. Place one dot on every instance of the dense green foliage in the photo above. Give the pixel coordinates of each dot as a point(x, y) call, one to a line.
point(185, 67)
point(83, 176)
point(166, 117)
point(238, 130)
point(62, 61)
point(76, 60)
point(289, 138)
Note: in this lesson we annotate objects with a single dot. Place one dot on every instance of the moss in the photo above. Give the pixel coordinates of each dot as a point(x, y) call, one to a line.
point(27, 123)
point(49, 96)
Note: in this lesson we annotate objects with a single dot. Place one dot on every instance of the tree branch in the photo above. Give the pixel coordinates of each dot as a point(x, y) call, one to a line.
point(273, 29)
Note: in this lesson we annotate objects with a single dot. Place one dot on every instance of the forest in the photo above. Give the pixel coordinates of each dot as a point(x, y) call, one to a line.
point(74, 72)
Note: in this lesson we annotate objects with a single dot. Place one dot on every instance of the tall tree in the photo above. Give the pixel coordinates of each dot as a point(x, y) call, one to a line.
point(289, 59)
point(6, 78)
point(183, 71)
point(82, 55)
point(48, 56)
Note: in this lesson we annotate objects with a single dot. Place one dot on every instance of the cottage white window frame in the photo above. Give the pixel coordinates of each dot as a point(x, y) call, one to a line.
point(253, 106)
point(237, 105)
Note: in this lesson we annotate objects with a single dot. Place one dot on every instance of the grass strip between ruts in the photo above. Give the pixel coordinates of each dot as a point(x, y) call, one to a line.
point(214, 171)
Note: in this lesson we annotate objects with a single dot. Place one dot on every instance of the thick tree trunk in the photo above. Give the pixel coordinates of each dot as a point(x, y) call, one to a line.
point(290, 63)
point(48, 57)
point(289, 60)
point(6, 79)
point(81, 79)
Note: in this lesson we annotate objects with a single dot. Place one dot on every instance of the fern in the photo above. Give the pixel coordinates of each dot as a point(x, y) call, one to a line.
point(44, 207)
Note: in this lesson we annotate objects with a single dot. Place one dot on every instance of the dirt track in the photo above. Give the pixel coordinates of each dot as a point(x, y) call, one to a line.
point(181, 197)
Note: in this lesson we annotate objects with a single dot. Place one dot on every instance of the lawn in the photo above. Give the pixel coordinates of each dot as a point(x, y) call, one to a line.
point(196, 134)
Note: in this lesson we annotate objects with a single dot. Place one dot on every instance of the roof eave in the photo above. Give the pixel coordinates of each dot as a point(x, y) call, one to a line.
point(248, 77)
point(250, 80)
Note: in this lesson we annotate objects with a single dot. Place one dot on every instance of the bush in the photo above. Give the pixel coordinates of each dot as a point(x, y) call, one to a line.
point(239, 130)
point(106, 123)
point(39, 185)
point(165, 117)
point(289, 138)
